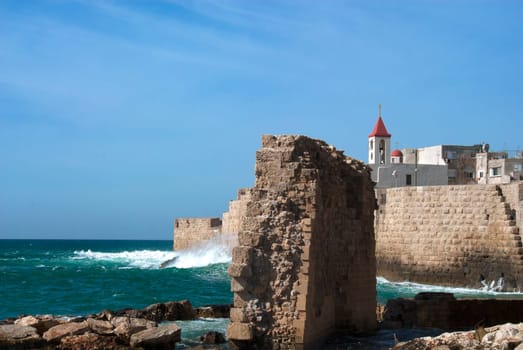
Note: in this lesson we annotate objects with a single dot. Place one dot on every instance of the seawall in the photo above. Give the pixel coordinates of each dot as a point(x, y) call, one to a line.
point(450, 235)
point(190, 231)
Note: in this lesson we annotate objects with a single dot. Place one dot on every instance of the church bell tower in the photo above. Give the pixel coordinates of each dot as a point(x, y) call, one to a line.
point(379, 143)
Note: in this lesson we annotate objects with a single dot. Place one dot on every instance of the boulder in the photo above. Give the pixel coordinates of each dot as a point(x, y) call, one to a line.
point(14, 336)
point(179, 310)
point(41, 323)
point(213, 337)
point(90, 341)
point(106, 315)
point(171, 311)
point(503, 337)
point(213, 311)
point(100, 326)
point(124, 327)
point(56, 333)
point(162, 337)
point(500, 336)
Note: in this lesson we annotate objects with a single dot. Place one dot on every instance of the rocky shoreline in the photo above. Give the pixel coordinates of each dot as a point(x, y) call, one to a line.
point(502, 337)
point(154, 327)
point(150, 328)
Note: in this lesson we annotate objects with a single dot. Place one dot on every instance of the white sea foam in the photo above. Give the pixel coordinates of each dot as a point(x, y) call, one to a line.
point(202, 255)
point(414, 288)
point(141, 259)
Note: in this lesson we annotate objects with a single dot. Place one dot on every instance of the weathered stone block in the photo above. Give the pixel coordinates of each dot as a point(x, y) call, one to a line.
point(240, 331)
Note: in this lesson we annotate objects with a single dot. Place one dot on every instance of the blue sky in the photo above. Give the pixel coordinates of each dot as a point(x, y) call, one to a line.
point(117, 117)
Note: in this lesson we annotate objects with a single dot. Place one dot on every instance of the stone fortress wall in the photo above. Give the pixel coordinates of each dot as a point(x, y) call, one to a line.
point(232, 218)
point(450, 235)
point(305, 264)
point(189, 232)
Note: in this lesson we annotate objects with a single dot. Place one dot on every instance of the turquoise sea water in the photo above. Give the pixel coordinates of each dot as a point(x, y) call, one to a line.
point(79, 277)
point(75, 277)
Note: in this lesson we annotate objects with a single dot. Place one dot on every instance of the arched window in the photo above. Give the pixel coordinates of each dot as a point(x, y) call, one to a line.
point(382, 151)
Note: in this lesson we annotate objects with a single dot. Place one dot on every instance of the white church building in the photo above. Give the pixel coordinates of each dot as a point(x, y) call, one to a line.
point(438, 165)
point(389, 169)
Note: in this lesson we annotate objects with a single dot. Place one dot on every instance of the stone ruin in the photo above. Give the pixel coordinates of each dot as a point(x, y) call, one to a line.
point(305, 265)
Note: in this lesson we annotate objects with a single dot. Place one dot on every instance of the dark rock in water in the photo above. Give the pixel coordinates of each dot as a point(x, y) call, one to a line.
point(213, 337)
point(19, 337)
point(171, 311)
point(213, 311)
point(180, 310)
point(162, 337)
point(168, 263)
point(434, 296)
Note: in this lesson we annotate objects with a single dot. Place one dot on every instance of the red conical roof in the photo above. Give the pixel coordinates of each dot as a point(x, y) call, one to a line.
point(379, 129)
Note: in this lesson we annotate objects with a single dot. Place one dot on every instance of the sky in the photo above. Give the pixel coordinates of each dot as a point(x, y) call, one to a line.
point(116, 117)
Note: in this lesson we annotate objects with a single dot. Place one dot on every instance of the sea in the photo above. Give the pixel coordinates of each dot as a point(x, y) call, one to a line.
point(80, 277)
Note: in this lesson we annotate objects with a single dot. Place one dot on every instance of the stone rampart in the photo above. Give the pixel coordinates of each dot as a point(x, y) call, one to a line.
point(191, 231)
point(232, 218)
point(513, 194)
point(305, 264)
point(449, 235)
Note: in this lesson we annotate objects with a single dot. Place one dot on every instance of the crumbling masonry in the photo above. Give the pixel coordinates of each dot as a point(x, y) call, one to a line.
point(305, 265)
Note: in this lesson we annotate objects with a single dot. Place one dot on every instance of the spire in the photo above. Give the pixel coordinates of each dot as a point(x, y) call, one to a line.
point(379, 129)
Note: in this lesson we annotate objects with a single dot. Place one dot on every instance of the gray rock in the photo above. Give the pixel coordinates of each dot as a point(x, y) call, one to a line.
point(162, 337)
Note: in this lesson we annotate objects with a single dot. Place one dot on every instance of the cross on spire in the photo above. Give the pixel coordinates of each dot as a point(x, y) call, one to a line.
point(379, 110)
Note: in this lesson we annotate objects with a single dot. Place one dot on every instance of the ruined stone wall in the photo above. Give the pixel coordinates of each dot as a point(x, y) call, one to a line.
point(305, 264)
point(191, 231)
point(232, 219)
point(448, 235)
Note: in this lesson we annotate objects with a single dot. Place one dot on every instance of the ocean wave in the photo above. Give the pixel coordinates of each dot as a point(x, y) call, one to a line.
point(411, 288)
point(141, 259)
point(200, 256)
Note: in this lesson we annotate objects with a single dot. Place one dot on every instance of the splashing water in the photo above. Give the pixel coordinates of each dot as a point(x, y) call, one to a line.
point(142, 259)
point(214, 251)
point(204, 254)
point(387, 290)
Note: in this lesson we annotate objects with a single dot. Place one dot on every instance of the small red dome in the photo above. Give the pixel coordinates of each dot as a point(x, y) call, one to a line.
point(396, 153)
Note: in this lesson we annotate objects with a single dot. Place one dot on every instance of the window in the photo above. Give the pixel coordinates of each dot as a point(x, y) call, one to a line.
point(371, 144)
point(480, 174)
point(518, 167)
point(409, 179)
point(452, 155)
point(495, 171)
point(382, 151)
point(469, 174)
